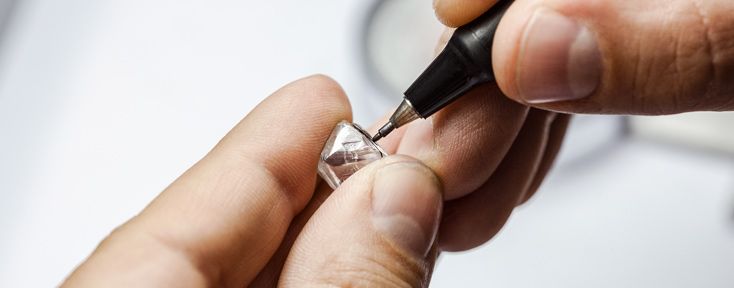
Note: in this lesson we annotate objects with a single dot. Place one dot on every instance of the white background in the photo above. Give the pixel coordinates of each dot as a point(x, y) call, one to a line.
point(103, 103)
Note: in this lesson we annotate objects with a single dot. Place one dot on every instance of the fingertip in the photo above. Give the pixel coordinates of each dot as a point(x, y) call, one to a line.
point(317, 94)
point(380, 223)
point(454, 13)
point(310, 106)
point(285, 133)
point(405, 202)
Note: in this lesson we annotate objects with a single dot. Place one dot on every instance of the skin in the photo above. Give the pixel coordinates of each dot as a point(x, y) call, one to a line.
point(252, 218)
point(231, 219)
point(251, 213)
point(658, 57)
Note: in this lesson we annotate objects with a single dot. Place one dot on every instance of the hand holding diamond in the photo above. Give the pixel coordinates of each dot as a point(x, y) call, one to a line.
point(253, 213)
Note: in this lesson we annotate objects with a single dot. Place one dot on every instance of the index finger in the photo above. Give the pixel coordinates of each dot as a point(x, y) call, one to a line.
point(221, 221)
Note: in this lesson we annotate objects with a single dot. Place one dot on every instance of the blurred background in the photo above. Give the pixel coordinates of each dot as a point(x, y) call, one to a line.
point(103, 103)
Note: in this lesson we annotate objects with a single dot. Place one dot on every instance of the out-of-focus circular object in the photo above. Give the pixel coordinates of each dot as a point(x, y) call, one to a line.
point(399, 43)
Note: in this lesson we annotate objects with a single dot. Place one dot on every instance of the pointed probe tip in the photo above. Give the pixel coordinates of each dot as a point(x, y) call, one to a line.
point(377, 137)
point(386, 129)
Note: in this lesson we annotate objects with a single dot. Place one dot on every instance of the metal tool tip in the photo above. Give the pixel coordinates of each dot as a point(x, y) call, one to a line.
point(377, 137)
point(386, 129)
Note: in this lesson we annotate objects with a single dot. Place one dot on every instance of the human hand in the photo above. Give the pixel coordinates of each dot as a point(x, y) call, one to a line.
point(629, 57)
point(491, 153)
point(620, 57)
point(253, 213)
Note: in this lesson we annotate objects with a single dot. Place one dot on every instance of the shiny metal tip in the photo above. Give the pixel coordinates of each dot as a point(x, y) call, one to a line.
point(377, 137)
point(384, 131)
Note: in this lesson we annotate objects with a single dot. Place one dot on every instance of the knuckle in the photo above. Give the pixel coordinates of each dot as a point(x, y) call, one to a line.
point(702, 60)
point(694, 59)
point(719, 32)
point(674, 66)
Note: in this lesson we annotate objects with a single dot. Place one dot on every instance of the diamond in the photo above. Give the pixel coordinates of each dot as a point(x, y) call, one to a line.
point(348, 149)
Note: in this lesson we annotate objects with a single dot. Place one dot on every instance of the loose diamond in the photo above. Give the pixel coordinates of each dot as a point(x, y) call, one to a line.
point(348, 149)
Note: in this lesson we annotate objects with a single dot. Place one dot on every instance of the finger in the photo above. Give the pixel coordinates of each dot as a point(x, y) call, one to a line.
point(376, 230)
point(458, 138)
point(474, 219)
point(220, 222)
point(555, 140)
point(269, 275)
point(628, 57)
point(465, 142)
point(454, 13)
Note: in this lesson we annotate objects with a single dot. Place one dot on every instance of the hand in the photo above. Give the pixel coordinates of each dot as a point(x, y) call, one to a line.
point(491, 153)
point(622, 57)
point(253, 213)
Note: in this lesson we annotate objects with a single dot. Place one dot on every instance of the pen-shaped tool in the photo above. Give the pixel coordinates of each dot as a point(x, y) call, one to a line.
point(465, 63)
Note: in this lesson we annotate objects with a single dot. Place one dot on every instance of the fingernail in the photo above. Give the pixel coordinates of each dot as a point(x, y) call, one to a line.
point(406, 205)
point(559, 59)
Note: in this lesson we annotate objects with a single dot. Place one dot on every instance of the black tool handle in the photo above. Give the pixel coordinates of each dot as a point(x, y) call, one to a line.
point(465, 63)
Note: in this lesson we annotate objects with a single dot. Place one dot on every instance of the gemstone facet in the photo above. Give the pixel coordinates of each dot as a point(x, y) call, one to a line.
point(348, 149)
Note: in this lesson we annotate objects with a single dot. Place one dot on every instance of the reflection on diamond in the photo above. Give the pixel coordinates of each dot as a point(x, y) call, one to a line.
point(348, 149)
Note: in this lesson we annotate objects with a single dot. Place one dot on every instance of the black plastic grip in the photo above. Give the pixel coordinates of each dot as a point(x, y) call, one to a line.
point(465, 63)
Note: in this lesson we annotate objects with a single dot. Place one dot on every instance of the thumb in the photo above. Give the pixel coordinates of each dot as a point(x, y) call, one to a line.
point(621, 57)
point(376, 230)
